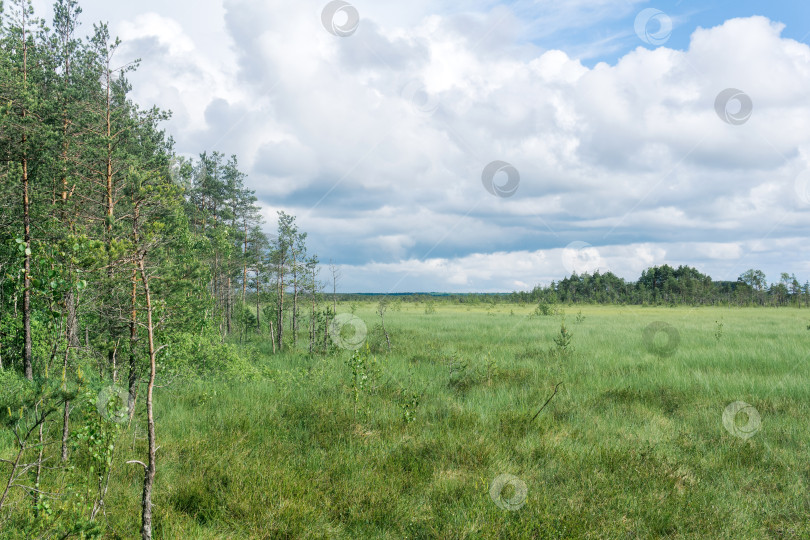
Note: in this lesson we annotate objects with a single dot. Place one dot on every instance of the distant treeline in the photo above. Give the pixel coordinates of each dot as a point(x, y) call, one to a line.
point(659, 285)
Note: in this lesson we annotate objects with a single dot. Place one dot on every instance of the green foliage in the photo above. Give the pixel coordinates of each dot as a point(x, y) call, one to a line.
point(543, 309)
point(246, 317)
point(460, 373)
point(718, 331)
point(319, 324)
point(21, 400)
point(408, 403)
point(193, 355)
point(546, 310)
point(364, 372)
point(430, 306)
point(466, 374)
point(563, 340)
point(11, 338)
point(94, 439)
point(376, 339)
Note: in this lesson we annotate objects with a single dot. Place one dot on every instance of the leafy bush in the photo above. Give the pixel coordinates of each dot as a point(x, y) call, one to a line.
point(542, 310)
point(191, 354)
point(545, 310)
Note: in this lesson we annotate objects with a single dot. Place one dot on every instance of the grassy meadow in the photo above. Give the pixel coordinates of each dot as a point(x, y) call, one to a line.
point(633, 445)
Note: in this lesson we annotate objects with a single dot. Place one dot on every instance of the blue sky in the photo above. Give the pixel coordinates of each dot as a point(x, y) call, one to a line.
point(612, 36)
point(380, 140)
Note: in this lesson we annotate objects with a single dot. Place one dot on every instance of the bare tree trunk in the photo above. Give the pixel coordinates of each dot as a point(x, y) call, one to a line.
point(294, 324)
point(244, 266)
point(326, 330)
point(280, 315)
point(27, 343)
point(36, 493)
point(335, 277)
point(27, 346)
point(114, 359)
point(151, 468)
point(258, 310)
point(313, 334)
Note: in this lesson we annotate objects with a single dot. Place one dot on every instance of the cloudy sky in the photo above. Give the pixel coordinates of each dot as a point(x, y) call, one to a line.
point(491, 146)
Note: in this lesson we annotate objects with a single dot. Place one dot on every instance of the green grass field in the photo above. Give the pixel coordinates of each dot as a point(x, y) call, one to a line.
point(632, 446)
